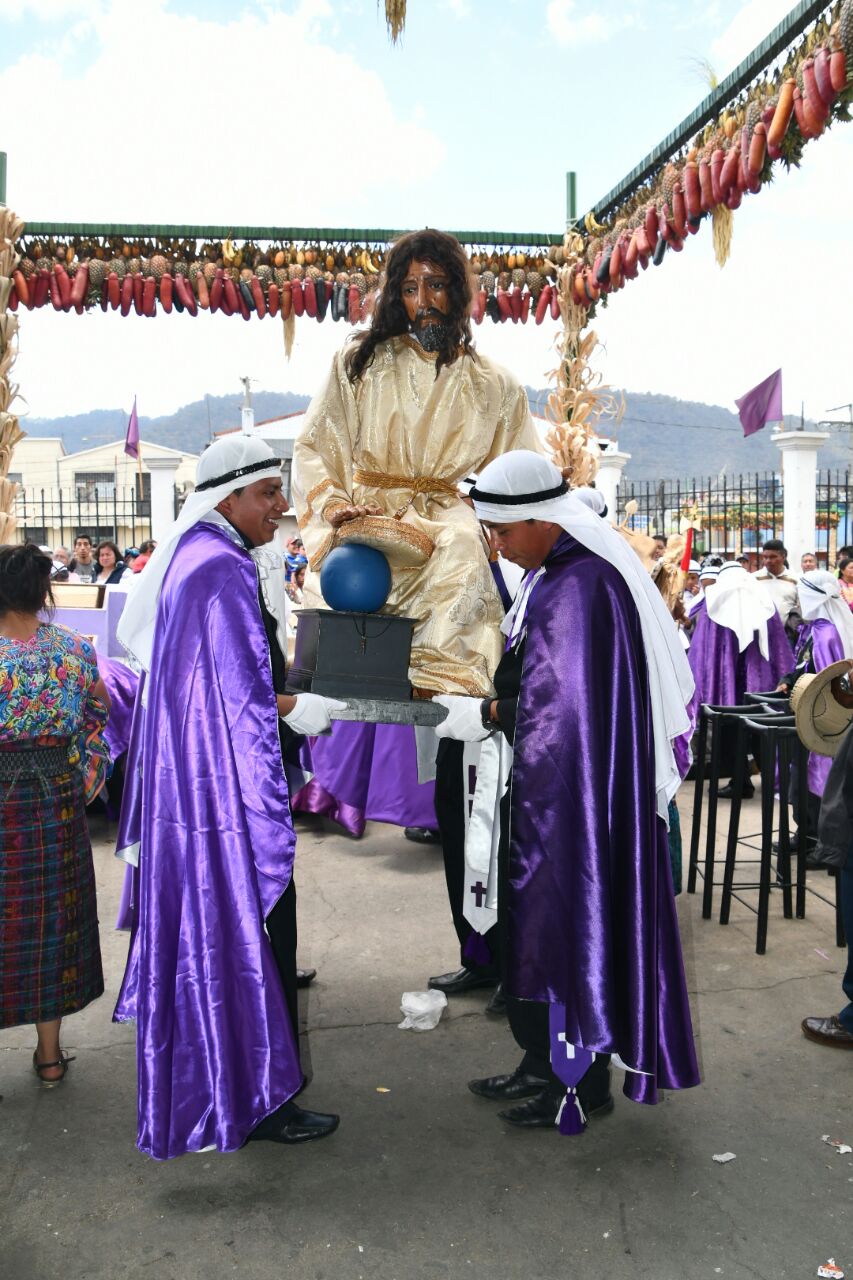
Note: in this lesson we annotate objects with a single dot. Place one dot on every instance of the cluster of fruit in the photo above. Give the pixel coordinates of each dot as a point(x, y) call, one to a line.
point(731, 158)
point(74, 274)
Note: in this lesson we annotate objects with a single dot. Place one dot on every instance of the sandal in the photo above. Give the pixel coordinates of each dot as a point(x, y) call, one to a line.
point(39, 1067)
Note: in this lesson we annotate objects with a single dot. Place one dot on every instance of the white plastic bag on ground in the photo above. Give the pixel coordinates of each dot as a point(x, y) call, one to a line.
point(421, 1010)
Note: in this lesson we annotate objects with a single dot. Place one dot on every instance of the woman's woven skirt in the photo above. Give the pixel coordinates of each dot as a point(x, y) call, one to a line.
point(50, 955)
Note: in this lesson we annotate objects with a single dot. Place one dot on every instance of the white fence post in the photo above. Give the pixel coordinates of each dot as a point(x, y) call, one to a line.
point(610, 466)
point(163, 471)
point(799, 479)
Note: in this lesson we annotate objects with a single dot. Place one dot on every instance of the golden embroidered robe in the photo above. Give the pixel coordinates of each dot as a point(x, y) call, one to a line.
point(387, 439)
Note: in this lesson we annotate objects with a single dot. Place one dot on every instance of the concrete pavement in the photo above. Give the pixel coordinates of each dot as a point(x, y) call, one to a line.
point(423, 1181)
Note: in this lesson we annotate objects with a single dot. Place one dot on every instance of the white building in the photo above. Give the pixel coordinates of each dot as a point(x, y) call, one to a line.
point(99, 491)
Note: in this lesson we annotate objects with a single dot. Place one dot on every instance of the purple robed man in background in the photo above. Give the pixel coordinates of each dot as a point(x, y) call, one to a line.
point(739, 643)
point(122, 684)
point(826, 636)
point(211, 973)
point(592, 956)
point(367, 773)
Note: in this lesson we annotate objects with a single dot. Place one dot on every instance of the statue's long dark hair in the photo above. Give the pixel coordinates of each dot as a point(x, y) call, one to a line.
point(390, 318)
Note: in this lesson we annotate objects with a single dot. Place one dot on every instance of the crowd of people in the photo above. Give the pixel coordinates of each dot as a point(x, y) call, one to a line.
point(561, 880)
point(102, 563)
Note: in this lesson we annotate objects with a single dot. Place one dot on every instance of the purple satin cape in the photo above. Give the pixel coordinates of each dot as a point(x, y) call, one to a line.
point(367, 773)
point(121, 684)
point(129, 833)
point(826, 649)
point(591, 911)
point(216, 1051)
point(722, 674)
point(681, 745)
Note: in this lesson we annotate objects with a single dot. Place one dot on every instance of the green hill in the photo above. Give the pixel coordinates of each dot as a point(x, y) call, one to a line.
point(668, 439)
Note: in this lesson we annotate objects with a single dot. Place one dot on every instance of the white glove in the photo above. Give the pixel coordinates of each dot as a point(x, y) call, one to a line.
point(311, 714)
point(464, 721)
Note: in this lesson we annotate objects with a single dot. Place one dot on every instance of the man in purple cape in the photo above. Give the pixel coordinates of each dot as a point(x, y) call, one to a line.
point(211, 974)
point(726, 661)
point(592, 953)
point(826, 637)
point(738, 646)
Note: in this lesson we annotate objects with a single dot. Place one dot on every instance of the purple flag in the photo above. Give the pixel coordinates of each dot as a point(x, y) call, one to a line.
point(762, 404)
point(131, 440)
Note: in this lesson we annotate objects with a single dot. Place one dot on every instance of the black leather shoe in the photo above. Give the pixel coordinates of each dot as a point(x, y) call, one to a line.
point(290, 1124)
point(304, 977)
point(496, 1008)
point(542, 1111)
point(422, 835)
point(539, 1112)
point(726, 793)
point(453, 984)
point(828, 1031)
point(507, 1088)
point(599, 1109)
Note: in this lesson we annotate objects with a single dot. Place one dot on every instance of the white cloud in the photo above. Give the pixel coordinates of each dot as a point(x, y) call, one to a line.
point(250, 122)
point(46, 10)
point(755, 20)
point(205, 127)
point(569, 27)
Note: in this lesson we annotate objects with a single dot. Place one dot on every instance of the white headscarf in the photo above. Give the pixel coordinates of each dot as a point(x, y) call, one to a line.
point(820, 597)
point(592, 498)
point(525, 474)
point(740, 603)
point(229, 464)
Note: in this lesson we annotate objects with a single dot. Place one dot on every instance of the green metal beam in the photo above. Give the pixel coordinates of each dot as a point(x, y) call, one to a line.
point(806, 12)
point(312, 235)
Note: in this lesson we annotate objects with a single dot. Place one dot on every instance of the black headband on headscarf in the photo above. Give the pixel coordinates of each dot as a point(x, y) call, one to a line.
point(518, 499)
point(238, 473)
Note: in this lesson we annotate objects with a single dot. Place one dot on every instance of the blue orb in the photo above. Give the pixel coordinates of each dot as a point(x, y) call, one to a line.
point(355, 578)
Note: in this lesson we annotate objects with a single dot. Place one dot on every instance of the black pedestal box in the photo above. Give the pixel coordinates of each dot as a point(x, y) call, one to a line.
point(352, 655)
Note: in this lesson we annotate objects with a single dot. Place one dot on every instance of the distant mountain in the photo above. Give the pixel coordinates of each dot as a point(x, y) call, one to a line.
point(668, 439)
point(671, 439)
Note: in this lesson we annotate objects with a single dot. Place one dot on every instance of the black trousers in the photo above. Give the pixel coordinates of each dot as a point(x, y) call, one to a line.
point(450, 801)
point(529, 1020)
point(281, 927)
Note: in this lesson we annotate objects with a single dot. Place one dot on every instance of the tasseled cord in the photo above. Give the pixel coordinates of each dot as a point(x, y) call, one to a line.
point(571, 1118)
point(570, 1064)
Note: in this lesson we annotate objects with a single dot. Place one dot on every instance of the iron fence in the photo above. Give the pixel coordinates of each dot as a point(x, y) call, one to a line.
point(737, 514)
point(55, 517)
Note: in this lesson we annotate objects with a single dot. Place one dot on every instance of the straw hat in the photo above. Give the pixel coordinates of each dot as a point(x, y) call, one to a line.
point(821, 719)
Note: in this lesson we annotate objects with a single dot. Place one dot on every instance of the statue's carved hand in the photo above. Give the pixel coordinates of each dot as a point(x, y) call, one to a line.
point(341, 515)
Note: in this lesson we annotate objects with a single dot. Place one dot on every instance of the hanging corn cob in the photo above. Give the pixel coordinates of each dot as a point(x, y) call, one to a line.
point(733, 156)
point(581, 401)
point(11, 229)
point(340, 282)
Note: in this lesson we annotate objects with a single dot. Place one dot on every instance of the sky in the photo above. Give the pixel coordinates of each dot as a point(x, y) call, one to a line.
point(301, 113)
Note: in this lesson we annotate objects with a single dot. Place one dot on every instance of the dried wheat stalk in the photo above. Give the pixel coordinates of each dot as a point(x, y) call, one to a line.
point(11, 230)
point(581, 401)
point(395, 17)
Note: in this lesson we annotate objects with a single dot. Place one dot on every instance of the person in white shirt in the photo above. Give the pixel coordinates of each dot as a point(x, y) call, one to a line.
point(776, 578)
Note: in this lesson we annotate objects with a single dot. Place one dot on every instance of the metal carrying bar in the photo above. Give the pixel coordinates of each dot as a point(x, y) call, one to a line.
point(312, 235)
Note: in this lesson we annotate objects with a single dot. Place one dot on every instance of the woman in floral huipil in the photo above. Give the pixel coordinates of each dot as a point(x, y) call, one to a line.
point(53, 706)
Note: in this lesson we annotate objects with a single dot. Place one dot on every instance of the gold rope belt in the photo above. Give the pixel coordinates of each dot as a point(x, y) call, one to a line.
point(412, 484)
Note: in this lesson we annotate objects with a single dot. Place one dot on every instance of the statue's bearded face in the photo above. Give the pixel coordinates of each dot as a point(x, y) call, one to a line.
point(426, 300)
